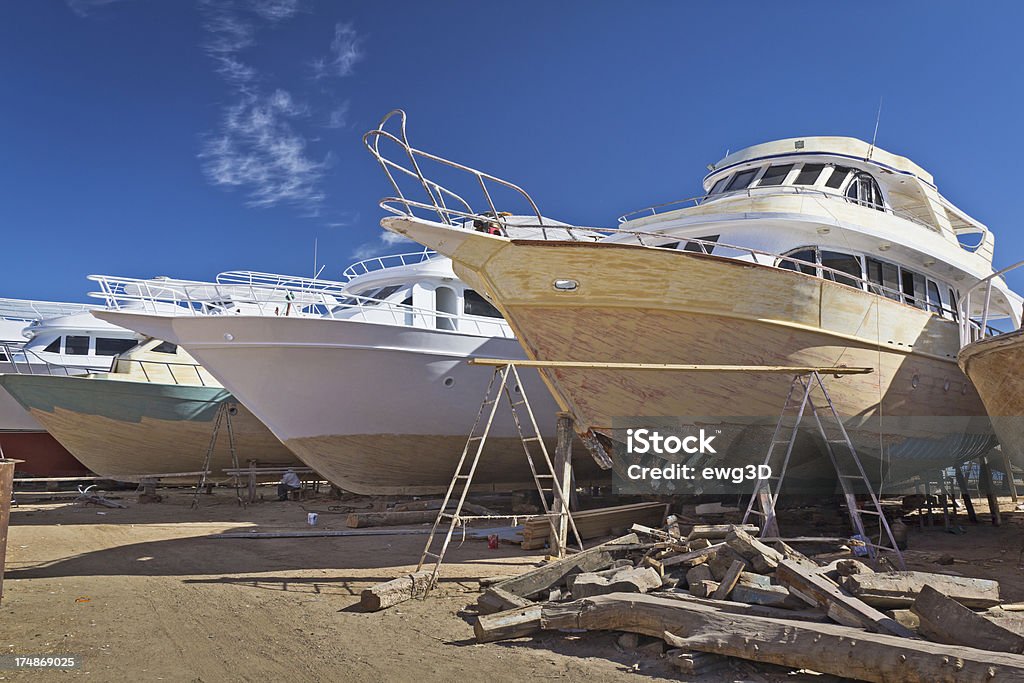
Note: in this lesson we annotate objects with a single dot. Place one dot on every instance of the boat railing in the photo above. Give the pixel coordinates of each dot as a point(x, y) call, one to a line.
point(784, 190)
point(378, 263)
point(29, 310)
point(449, 206)
point(25, 361)
point(973, 328)
point(285, 299)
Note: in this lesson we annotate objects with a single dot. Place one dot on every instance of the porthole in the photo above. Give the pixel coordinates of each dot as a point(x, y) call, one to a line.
point(566, 285)
point(449, 381)
point(963, 389)
point(228, 336)
point(945, 387)
point(914, 381)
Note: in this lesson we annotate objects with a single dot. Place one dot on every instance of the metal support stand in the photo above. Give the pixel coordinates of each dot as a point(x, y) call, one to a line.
point(224, 412)
point(841, 453)
point(549, 480)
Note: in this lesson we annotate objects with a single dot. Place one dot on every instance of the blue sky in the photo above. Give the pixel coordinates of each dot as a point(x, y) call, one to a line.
point(173, 137)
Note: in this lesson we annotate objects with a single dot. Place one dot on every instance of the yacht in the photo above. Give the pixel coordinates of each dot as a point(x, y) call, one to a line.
point(369, 385)
point(809, 252)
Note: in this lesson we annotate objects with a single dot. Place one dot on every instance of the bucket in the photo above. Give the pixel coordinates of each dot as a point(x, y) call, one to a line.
point(311, 518)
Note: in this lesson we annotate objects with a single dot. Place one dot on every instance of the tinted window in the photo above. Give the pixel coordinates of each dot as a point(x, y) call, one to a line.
point(954, 308)
point(165, 347)
point(383, 293)
point(804, 255)
point(76, 346)
point(113, 347)
point(717, 187)
point(742, 179)
point(700, 247)
point(474, 304)
point(53, 347)
point(913, 288)
point(934, 300)
point(775, 175)
point(864, 190)
point(887, 276)
point(845, 263)
point(839, 174)
point(808, 174)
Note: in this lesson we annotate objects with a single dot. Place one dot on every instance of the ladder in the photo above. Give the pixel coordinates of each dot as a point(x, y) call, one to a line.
point(841, 452)
point(504, 380)
point(224, 412)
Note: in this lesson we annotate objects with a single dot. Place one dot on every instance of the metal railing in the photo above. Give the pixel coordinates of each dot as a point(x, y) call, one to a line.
point(378, 263)
point(287, 299)
point(440, 199)
point(25, 361)
point(972, 330)
point(29, 310)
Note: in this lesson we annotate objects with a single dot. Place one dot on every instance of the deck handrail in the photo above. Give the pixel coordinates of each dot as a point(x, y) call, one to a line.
point(969, 329)
point(30, 310)
point(378, 263)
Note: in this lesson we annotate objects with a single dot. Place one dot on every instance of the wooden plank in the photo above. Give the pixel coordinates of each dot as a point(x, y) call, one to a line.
point(826, 648)
point(763, 558)
point(818, 591)
point(944, 620)
point(390, 593)
point(729, 580)
point(900, 589)
point(692, 557)
point(364, 519)
point(750, 609)
point(718, 530)
point(965, 493)
point(495, 599)
point(673, 367)
point(539, 580)
point(562, 485)
point(985, 478)
point(514, 623)
point(597, 523)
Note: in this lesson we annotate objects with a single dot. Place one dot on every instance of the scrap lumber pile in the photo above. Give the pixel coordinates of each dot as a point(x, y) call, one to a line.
point(710, 596)
point(596, 523)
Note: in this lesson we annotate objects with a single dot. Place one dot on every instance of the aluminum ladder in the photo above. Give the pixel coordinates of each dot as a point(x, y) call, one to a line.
point(224, 412)
point(545, 480)
point(841, 453)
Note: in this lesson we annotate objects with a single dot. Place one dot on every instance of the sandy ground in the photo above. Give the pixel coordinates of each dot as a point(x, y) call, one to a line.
point(151, 593)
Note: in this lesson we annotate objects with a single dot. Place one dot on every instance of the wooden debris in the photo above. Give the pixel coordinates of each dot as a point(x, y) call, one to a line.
point(364, 519)
point(944, 620)
point(819, 591)
point(714, 509)
point(905, 618)
point(513, 623)
point(733, 607)
point(762, 557)
point(776, 597)
point(826, 648)
point(691, 558)
point(699, 664)
point(700, 572)
point(729, 581)
point(384, 595)
point(495, 599)
point(900, 589)
point(596, 523)
point(713, 531)
point(720, 562)
point(540, 580)
point(703, 589)
point(631, 580)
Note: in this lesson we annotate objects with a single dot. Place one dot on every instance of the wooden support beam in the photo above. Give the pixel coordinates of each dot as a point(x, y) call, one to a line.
point(513, 623)
point(729, 580)
point(672, 367)
point(6, 486)
point(825, 648)
point(363, 519)
point(1008, 469)
point(819, 591)
point(944, 620)
point(985, 472)
point(965, 493)
point(384, 595)
point(563, 483)
point(495, 599)
point(899, 589)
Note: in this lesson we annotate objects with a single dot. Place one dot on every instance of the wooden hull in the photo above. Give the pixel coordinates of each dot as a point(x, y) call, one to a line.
point(125, 430)
point(916, 412)
point(996, 367)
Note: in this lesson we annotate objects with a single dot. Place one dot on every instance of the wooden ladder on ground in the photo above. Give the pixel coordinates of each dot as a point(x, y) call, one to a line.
point(224, 412)
point(841, 452)
point(504, 381)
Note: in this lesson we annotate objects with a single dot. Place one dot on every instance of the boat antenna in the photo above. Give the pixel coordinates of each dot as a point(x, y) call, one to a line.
point(874, 136)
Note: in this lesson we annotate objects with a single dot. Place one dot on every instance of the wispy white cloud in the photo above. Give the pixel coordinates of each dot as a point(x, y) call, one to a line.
point(84, 8)
point(346, 51)
point(276, 10)
point(338, 117)
point(385, 242)
point(259, 149)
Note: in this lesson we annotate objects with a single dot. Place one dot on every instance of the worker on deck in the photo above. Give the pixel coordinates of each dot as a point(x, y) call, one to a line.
point(289, 482)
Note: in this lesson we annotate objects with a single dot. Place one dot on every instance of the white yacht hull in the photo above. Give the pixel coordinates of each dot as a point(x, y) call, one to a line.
point(377, 409)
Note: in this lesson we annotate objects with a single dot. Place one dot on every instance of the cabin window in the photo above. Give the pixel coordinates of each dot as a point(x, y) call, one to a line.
point(474, 304)
point(113, 347)
point(741, 180)
point(808, 175)
point(165, 347)
point(934, 299)
point(53, 347)
point(954, 308)
point(717, 187)
point(885, 277)
point(864, 190)
point(75, 345)
point(670, 245)
point(913, 288)
point(775, 175)
point(838, 177)
point(700, 247)
point(809, 255)
point(844, 263)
